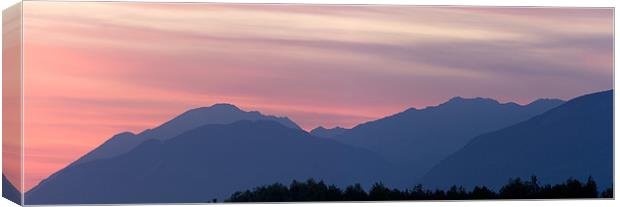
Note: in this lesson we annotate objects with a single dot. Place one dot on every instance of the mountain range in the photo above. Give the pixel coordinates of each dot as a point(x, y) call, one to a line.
point(417, 139)
point(210, 152)
point(572, 140)
point(216, 114)
point(209, 162)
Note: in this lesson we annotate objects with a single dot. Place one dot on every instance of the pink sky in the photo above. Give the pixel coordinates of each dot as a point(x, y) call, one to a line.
point(11, 101)
point(92, 70)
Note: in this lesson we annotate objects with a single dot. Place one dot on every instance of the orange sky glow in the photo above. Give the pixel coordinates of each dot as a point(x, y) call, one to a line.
point(92, 70)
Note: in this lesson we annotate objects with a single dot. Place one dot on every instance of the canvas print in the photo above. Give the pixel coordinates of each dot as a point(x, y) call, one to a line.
point(137, 103)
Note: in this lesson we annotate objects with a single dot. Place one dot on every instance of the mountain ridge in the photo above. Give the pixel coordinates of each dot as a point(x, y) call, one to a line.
point(574, 139)
point(416, 139)
point(220, 113)
point(287, 123)
point(328, 133)
point(143, 174)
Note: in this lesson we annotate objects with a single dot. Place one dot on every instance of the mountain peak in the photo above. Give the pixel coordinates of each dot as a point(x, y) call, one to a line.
point(319, 128)
point(461, 100)
point(121, 136)
point(125, 134)
point(323, 128)
point(328, 133)
point(221, 113)
point(456, 98)
point(220, 107)
point(224, 106)
point(224, 113)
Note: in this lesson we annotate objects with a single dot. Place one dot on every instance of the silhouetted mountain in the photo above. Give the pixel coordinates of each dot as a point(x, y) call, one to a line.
point(572, 140)
point(328, 133)
point(211, 161)
point(10, 192)
point(216, 114)
point(418, 139)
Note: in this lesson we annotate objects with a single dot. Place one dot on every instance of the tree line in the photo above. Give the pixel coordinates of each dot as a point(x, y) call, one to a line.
point(311, 190)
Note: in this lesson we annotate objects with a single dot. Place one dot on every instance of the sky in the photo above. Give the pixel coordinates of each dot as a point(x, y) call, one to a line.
point(11, 101)
point(92, 70)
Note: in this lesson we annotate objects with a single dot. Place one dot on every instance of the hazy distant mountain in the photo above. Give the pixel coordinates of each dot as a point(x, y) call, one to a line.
point(10, 192)
point(418, 139)
point(328, 133)
point(216, 114)
point(572, 140)
point(211, 161)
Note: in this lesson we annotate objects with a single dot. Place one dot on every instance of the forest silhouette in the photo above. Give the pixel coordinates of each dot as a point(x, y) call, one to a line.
point(517, 188)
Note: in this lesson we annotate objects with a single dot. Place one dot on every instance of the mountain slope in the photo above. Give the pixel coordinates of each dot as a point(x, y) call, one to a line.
point(216, 114)
point(9, 191)
point(418, 139)
point(209, 162)
point(572, 140)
